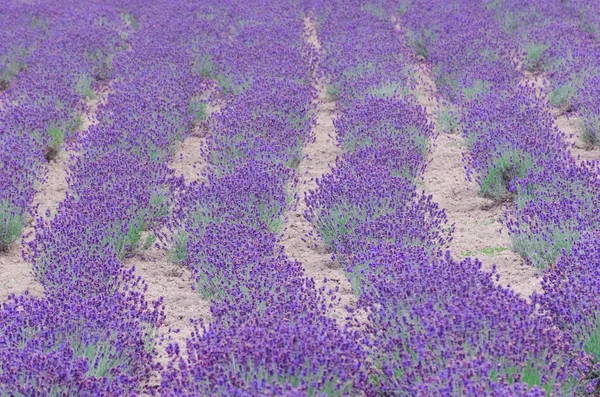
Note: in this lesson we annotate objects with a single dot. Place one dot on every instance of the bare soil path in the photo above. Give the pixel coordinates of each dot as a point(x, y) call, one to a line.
point(478, 232)
point(55, 187)
point(299, 238)
point(187, 160)
point(171, 281)
point(190, 158)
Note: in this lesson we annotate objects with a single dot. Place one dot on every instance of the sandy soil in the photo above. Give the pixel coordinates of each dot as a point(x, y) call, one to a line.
point(16, 275)
point(187, 161)
point(171, 281)
point(299, 237)
point(478, 232)
point(174, 283)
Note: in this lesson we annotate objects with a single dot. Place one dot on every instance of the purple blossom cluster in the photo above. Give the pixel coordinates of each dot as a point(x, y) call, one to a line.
point(78, 345)
point(515, 151)
point(475, 68)
point(571, 296)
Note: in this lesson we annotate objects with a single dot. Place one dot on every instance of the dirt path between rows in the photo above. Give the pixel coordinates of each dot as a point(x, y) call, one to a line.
point(299, 236)
point(173, 282)
point(478, 233)
point(190, 158)
point(16, 275)
point(54, 189)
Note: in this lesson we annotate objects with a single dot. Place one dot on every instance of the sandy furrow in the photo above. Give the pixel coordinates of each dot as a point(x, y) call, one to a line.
point(299, 238)
point(173, 282)
point(189, 160)
point(55, 187)
point(478, 232)
point(16, 274)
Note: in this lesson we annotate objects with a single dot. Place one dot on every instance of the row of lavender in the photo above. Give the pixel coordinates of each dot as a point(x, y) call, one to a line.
point(436, 327)
point(47, 76)
point(562, 40)
point(93, 333)
point(269, 334)
point(517, 154)
point(24, 30)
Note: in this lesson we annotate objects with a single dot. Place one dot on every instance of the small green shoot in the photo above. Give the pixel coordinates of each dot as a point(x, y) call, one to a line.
point(494, 184)
point(150, 240)
point(337, 223)
point(489, 221)
point(205, 67)
point(493, 250)
point(357, 277)
point(494, 5)
point(57, 138)
point(332, 92)
point(478, 88)
point(178, 252)
point(103, 64)
point(541, 251)
point(129, 20)
point(389, 90)
point(533, 57)
point(355, 142)
point(76, 123)
point(592, 342)
point(14, 63)
point(403, 7)
point(510, 22)
point(158, 206)
point(587, 25)
point(418, 41)
point(561, 96)
point(447, 121)
point(128, 243)
point(374, 9)
point(445, 81)
point(199, 109)
point(590, 131)
point(11, 225)
point(150, 339)
point(83, 86)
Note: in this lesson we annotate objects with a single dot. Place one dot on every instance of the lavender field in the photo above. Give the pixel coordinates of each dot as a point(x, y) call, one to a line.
point(299, 198)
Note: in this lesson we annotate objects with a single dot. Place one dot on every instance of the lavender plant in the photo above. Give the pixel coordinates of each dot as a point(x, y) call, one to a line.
point(534, 57)
point(11, 224)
